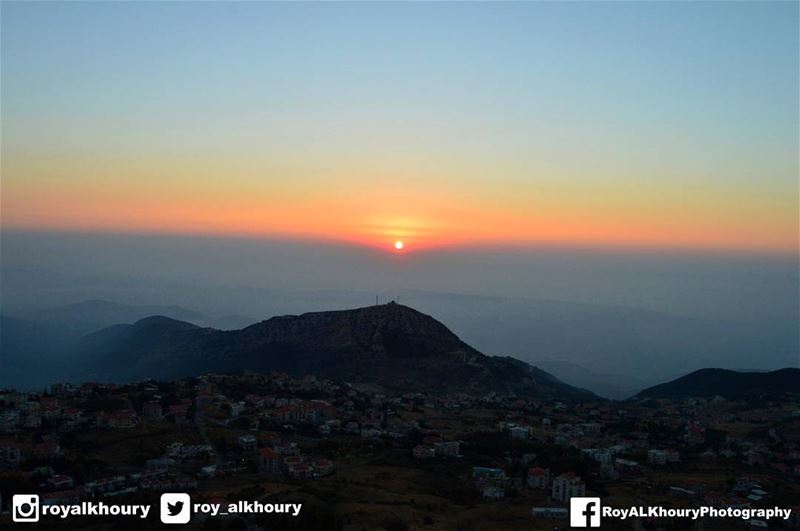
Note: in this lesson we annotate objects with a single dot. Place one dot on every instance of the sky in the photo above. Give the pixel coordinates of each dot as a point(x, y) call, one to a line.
point(633, 124)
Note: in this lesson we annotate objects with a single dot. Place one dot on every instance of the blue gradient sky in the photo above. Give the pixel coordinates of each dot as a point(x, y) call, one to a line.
point(665, 124)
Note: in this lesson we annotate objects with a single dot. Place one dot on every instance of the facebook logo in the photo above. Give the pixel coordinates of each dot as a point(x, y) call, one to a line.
point(584, 512)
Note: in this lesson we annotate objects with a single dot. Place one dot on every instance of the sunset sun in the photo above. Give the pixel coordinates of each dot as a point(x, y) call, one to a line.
point(398, 245)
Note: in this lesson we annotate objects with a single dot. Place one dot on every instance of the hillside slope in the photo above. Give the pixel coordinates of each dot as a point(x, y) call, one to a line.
point(390, 345)
point(728, 384)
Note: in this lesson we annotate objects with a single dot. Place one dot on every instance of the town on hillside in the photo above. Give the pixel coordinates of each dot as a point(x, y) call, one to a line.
point(359, 457)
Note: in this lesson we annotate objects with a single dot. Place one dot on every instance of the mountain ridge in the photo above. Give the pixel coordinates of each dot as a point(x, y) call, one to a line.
point(728, 384)
point(95, 314)
point(391, 345)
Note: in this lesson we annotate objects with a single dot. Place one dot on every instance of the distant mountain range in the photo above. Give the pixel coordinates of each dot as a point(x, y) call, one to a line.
point(42, 346)
point(728, 384)
point(612, 351)
point(639, 344)
point(607, 385)
point(390, 345)
point(90, 316)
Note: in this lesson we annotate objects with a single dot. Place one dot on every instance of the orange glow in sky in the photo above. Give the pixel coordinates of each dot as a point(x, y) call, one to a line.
point(426, 223)
point(400, 124)
point(182, 197)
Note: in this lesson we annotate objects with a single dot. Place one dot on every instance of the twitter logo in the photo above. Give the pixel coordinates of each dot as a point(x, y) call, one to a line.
point(175, 508)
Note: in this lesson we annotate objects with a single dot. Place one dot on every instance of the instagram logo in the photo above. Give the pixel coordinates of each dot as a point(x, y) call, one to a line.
point(25, 508)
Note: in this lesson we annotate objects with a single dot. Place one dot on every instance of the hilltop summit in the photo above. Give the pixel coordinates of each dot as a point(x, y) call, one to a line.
point(390, 345)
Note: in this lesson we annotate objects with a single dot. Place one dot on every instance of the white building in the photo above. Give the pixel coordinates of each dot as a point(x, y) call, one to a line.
point(236, 409)
point(567, 486)
point(657, 457)
point(601, 455)
point(538, 478)
point(519, 432)
point(247, 442)
point(448, 449)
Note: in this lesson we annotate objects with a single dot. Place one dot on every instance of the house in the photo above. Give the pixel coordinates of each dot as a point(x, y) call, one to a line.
point(269, 438)
point(255, 400)
point(47, 450)
point(549, 512)
point(538, 478)
point(152, 410)
point(566, 486)
point(322, 467)
point(447, 449)
point(371, 433)
point(320, 411)
point(519, 432)
point(300, 471)
point(205, 388)
point(662, 457)
point(179, 412)
point(657, 457)
point(423, 451)
point(695, 435)
point(236, 409)
point(287, 449)
point(292, 461)
point(73, 414)
point(746, 484)
point(493, 493)
point(247, 443)
point(269, 461)
point(310, 411)
point(124, 418)
point(672, 456)
point(601, 455)
point(626, 467)
point(189, 451)
point(60, 482)
point(592, 428)
point(105, 486)
point(161, 464)
point(431, 440)
point(481, 472)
